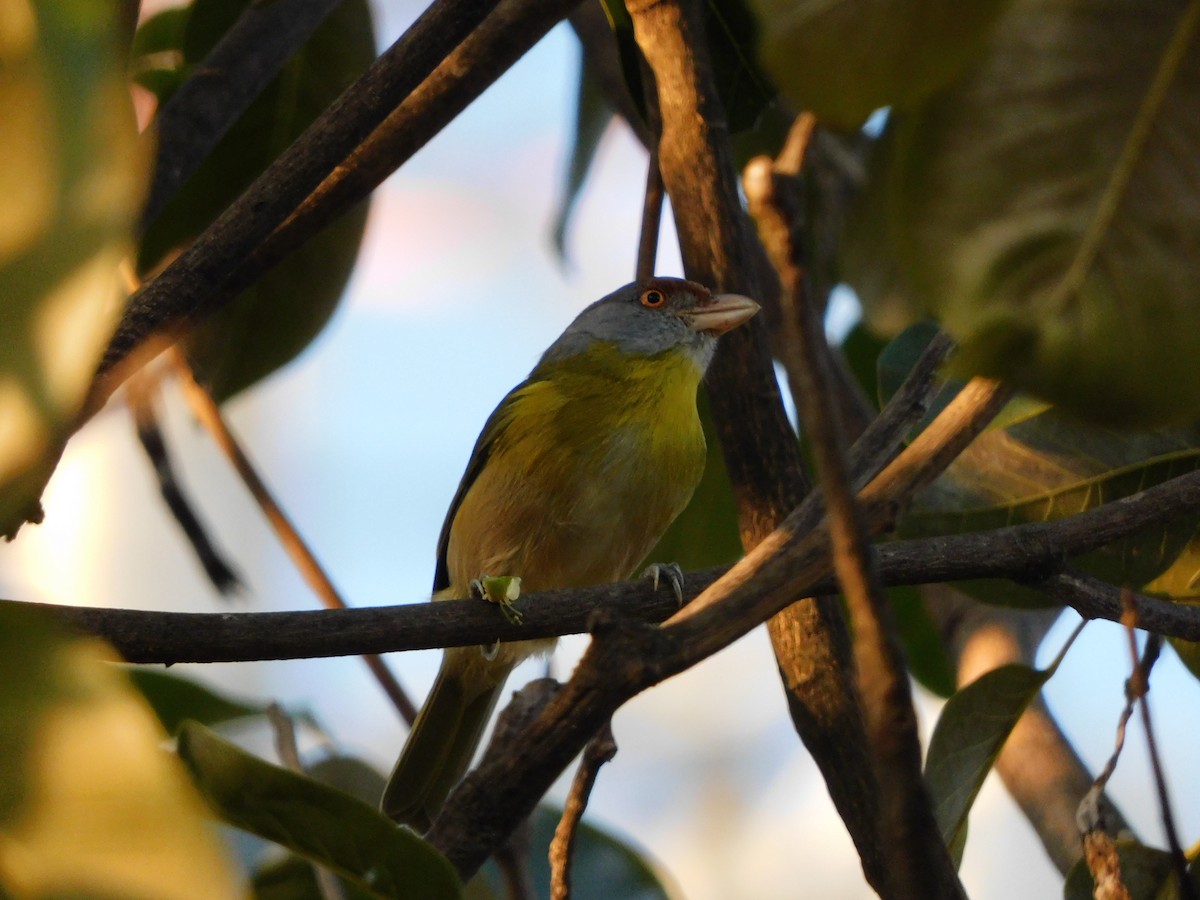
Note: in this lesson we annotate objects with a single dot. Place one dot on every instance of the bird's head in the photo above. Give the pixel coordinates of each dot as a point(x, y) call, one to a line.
point(653, 316)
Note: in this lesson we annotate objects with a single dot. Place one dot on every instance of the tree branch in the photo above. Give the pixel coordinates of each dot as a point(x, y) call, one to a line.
point(760, 449)
point(196, 277)
point(1031, 553)
point(599, 750)
point(918, 864)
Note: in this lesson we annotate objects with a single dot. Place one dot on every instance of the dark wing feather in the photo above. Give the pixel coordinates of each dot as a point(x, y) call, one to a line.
point(492, 430)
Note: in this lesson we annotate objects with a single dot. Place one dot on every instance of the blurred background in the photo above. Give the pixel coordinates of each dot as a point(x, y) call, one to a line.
point(457, 291)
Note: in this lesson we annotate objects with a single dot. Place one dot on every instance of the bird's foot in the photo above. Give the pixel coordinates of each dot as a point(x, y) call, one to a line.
point(666, 572)
point(503, 590)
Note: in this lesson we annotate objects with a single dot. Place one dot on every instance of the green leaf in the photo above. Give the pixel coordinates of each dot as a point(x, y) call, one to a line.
point(1043, 208)
point(175, 699)
point(745, 90)
point(354, 776)
point(277, 318)
point(605, 867)
point(862, 350)
point(843, 59)
point(923, 646)
point(970, 732)
point(1048, 465)
point(90, 805)
point(156, 57)
point(1145, 871)
point(592, 115)
point(314, 820)
point(72, 177)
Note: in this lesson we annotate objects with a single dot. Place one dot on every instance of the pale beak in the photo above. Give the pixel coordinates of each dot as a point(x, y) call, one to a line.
point(722, 313)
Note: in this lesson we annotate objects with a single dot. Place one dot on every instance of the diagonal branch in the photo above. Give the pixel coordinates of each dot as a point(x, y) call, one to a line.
point(918, 864)
point(760, 450)
point(199, 273)
point(235, 72)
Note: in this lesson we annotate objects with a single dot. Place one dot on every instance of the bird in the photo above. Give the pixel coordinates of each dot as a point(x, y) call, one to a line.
point(574, 478)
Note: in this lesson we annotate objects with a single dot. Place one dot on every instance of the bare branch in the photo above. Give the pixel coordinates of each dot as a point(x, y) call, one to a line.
point(759, 447)
point(917, 862)
point(1140, 687)
point(205, 408)
point(1029, 553)
point(600, 749)
point(651, 219)
point(142, 398)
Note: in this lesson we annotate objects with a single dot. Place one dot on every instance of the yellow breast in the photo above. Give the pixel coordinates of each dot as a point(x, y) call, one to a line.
point(591, 462)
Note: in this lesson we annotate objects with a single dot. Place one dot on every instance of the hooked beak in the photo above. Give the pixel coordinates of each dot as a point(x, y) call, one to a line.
point(723, 313)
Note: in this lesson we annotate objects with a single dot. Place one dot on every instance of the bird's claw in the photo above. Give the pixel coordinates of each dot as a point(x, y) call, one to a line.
point(503, 590)
point(666, 571)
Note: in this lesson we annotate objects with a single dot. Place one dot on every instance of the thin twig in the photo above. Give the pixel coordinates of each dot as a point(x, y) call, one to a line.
point(289, 755)
point(918, 864)
point(651, 219)
point(142, 397)
point(599, 750)
point(1139, 687)
point(222, 86)
point(1037, 764)
point(205, 408)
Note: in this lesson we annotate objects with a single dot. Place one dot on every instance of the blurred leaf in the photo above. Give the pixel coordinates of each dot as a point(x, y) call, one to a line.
point(706, 533)
point(277, 318)
point(745, 90)
point(175, 699)
point(1144, 870)
point(316, 821)
point(351, 775)
point(292, 878)
point(72, 177)
point(923, 646)
point(592, 115)
point(862, 350)
point(1044, 208)
point(90, 805)
point(843, 59)
point(1048, 466)
point(605, 867)
point(156, 58)
point(970, 732)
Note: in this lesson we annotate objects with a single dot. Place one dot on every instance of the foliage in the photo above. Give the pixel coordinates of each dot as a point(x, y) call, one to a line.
point(1035, 192)
point(249, 338)
point(72, 177)
point(90, 805)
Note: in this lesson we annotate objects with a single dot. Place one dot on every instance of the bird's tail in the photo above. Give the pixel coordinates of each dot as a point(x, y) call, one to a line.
point(442, 741)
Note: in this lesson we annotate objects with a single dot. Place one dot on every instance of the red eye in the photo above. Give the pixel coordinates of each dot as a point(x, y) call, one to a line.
point(653, 298)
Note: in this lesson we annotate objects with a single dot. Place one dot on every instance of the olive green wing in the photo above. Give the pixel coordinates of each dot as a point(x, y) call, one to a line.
point(493, 429)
